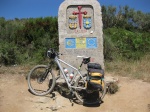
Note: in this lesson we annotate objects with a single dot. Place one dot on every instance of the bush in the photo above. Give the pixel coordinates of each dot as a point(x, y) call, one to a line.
point(109, 48)
point(127, 44)
point(8, 54)
point(112, 88)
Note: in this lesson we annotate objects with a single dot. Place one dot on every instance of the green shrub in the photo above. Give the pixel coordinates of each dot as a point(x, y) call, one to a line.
point(127, 44)
point(109, 48)
point(8, 54)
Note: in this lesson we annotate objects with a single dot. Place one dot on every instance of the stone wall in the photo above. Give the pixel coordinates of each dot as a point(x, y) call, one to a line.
point(80, 34)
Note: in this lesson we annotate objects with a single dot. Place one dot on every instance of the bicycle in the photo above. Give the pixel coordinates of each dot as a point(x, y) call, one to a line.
point(77, 84)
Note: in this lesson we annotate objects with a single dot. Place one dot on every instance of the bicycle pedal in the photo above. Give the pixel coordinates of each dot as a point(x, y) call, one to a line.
point(72, 94)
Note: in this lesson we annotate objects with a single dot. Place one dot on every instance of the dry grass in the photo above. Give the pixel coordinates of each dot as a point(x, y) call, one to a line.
point(134, 69)
point(12, 70)
point(17, 70)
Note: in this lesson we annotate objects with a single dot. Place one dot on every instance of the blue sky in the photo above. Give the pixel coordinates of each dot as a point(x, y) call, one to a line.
point(10, 9)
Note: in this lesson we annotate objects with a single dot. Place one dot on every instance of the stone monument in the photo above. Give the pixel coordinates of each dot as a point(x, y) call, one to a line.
point(80, 31)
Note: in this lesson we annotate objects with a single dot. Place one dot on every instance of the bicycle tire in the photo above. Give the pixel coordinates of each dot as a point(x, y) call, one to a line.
point(35, 74)
point(84, 101)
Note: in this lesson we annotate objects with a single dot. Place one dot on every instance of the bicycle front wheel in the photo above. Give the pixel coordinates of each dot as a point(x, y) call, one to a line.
point(41, 80)
point(86, 97)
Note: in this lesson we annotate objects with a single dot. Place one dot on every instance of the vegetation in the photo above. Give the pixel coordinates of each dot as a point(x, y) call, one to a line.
point(138, 69)
point(126, 44)
point(26, 40)
point(126, 38)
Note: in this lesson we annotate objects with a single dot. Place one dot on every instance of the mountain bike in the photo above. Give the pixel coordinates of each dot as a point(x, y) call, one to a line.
point(41, 79)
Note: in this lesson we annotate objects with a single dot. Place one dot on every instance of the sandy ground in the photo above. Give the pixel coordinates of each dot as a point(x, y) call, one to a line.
point(133, 96)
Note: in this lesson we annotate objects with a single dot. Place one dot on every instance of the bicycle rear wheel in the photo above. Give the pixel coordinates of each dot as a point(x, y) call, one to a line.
point(41, 80)
point(85, 97)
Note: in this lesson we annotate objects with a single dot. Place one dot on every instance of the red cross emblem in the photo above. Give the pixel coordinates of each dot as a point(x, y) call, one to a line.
point(79, 15)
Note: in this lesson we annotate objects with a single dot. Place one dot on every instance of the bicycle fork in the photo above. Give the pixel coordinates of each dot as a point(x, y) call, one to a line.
point(43, 76)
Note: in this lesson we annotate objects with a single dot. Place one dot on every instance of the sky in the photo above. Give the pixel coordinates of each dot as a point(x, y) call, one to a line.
point(11, 9)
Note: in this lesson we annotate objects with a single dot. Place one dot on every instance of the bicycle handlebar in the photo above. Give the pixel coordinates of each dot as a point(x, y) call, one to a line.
point(51, 53)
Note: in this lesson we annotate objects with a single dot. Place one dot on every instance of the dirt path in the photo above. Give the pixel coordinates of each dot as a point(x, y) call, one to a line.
point(133, 96)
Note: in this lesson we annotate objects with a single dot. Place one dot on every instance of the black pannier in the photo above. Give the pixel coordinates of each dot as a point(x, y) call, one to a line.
point(94, 65)
point(95, 68)
point(99, 73)
point(95, 76)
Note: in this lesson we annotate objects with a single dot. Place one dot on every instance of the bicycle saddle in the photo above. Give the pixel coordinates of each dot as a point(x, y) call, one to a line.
point(85, 57)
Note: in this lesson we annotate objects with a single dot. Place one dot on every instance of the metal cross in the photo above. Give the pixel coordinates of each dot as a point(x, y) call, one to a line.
point(79, 15)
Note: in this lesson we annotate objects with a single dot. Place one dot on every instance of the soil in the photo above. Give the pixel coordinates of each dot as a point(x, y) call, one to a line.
point(133, 96)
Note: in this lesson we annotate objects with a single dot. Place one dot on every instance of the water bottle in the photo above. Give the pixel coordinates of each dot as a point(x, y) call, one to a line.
point(71, 75)
point(65, 70)
point(67, 74)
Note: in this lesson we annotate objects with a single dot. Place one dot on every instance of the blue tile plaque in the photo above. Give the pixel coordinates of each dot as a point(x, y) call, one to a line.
point(70, 43)
point(91, 42)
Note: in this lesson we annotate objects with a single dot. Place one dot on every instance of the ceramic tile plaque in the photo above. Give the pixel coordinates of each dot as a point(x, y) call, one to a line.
point(80, 43)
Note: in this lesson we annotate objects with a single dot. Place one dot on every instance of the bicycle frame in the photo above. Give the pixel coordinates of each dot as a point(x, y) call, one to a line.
point(59, 61)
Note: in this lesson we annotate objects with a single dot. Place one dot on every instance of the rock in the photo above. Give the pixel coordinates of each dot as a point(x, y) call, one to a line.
point(55, 108)
point(111, 83)
point(110, 79)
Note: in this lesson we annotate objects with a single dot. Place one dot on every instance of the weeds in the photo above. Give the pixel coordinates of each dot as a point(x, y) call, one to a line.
point(139, 69)
point(135, 69)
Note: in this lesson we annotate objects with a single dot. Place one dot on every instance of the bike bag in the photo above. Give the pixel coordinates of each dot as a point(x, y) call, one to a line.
point(96, 73)
point(95, 85)
point(94, 66)
point(95, 76)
